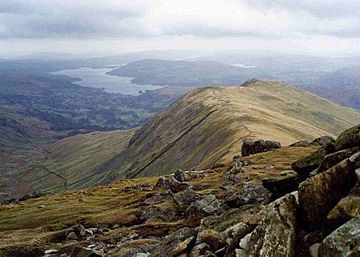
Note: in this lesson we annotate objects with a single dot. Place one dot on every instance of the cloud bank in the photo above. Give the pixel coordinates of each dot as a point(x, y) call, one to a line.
point(149, 21)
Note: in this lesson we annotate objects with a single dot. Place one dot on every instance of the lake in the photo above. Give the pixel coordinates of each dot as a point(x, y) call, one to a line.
point(97, 78)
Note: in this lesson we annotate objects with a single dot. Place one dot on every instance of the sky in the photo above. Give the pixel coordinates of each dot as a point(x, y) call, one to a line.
point(110, 27)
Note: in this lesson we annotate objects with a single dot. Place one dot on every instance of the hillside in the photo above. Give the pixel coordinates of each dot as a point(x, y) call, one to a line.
point(117, 211)
point(75, 159)
point(207, 126)
point(38, 110)
point(204, 128)
point(251, 206)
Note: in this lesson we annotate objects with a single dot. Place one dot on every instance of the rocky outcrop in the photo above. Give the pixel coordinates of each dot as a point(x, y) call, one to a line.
point(170, 244)
point(170, 183)
point(323, 141)
point(311, 162)
point(248, 193)
point(279, 186)
point(301, 143)
point(348, 139)
point(346, 209)
point(253, 147)
point(276, 234)
point(344, 241)
point(186, 197)
point(319, 194)
point(333, 158)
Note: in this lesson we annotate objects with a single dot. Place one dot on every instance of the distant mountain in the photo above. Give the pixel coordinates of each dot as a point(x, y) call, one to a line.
point(185, 73)
point(342, 86)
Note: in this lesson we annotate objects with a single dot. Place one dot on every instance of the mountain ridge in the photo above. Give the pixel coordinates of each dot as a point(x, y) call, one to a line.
point(232, 114)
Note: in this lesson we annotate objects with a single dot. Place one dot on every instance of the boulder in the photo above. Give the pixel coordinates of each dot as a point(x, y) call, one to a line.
point(84, 252)
point(247, 214)
point(233, 235)
point(304, 166)
point(238, 230)
point(305, 246)
point(172, 241)
point(199, 250)
point(315, 192)
point(168, 213)
point(182, 176)
point(334, 158)
point(346, 209)
point(186, 197)
point(348, 139)
point(302, 143)
point(249, 193)
point(323, 141)
point(279, 186)
point(253, 147)
point(209, 204)
point(183, 247)
point(201, 208)
point(213, 238)
point(344, 241)
point(275, 235)
point(314, 250)
point(72, 236)
point(170, 183)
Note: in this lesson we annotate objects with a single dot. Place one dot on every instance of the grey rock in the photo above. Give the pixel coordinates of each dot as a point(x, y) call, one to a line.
point(186, 197)
point(208, 205)
point(279, 186)
point(213, 238)
point(163, 213)
point(253, 147)
point(199, 250)
point(323, 141)
point(183, 247)
point(72, 236)
point(249, 193)
point(311, 162)
point(344, 241)
point(334, 158)
point(302, 143)
point(315, 191)
point(346, 209)
point(275, 235)
point(348, 139)
point(79, 251)
point(170, 183)
point(171, 241)
point(142, 255)
point(182, 176)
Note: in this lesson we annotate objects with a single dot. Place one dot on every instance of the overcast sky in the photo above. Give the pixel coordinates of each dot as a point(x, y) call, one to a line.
point(106, 27)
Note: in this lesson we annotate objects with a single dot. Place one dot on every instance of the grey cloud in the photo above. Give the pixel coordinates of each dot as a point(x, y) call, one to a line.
point(319, 8)
point(89, 19)
point(33, 19)
point(208, 31)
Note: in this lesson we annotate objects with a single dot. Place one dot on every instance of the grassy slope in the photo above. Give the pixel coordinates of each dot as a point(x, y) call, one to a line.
point(119, 203)
point(205, 127)
point(208, 125)
point(75, 158)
